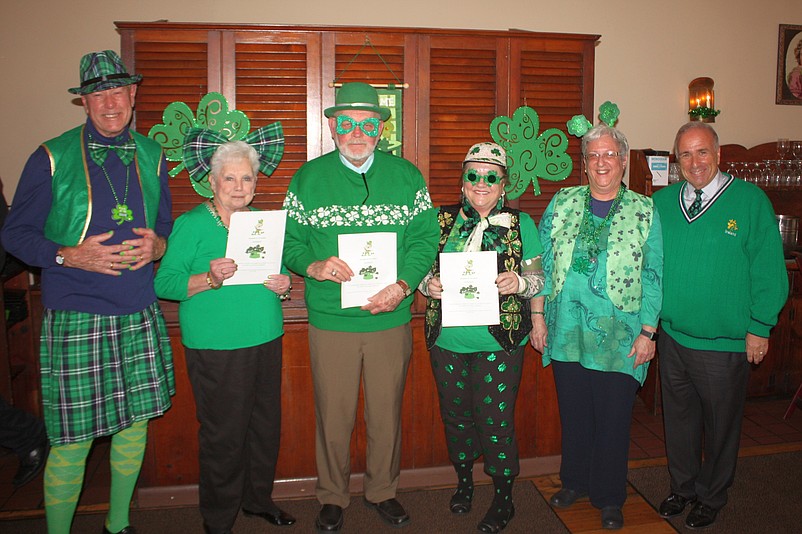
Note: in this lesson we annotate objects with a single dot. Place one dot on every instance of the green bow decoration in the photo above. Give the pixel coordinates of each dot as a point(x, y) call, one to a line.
point(99, 151)
point(530, 156)
point(200, 145)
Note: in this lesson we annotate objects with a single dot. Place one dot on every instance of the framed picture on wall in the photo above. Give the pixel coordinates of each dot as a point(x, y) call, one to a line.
point(789, 65)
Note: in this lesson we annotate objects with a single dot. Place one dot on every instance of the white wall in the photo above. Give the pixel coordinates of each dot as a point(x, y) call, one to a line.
point(647, 54)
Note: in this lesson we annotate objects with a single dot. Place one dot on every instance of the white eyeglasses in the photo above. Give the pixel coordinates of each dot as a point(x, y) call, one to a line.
point(593, 156)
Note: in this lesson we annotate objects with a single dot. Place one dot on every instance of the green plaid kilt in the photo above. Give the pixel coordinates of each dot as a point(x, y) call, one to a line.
point(101, 374)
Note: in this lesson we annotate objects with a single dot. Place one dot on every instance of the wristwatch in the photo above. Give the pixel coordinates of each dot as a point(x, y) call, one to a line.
point(405, 287)
point(651, 336)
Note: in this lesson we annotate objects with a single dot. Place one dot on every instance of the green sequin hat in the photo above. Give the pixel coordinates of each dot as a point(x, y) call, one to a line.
point(359, 96)
point(103, 70)
point(487, 153)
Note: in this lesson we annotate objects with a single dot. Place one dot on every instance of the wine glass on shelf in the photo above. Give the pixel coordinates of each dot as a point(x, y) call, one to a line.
point(796, 150)
point(782, 147)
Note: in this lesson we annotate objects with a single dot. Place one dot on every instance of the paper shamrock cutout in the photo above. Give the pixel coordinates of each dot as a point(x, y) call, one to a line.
point(213, 113)
point(530, 155)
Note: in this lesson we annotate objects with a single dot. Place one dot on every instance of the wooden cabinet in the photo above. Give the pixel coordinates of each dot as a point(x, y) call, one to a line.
point(456, 81)
point(780, 373)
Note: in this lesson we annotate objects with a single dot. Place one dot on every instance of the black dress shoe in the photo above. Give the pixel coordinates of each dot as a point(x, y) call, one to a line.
point(492, 523)
point(675, 504)
point(127, 530)
point(209, 530)
point(330, 518)
point(612, 518)
point(566, 497)
point(31, 464)
point(277, 517)
point(390, 511)
point(701, 516)
point(460, 502)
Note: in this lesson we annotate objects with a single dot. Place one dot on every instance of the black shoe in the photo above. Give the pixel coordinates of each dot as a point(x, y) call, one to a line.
point(31, 465)
point(280, 518)
point(209, 530)
point(330, 518)
point(460, 502)
point(127, 530)
point(675, 504)
point(566, 497)
point(492, 524)
point(701, 516)
point(612, 518)
point(390, 511)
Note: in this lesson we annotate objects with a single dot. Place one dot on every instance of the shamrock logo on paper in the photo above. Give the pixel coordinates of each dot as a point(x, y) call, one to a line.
point(530, 155)
point(255, 252)
point(259, 228)
point(368, 250)
point(469, 292)
point(468, 268)
point(368, 273)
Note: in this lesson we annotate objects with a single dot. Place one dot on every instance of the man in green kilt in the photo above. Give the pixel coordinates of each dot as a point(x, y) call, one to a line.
point(92, 210)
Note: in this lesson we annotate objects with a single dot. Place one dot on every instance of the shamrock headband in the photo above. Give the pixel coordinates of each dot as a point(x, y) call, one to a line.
point(579, 125)
point(191, 139)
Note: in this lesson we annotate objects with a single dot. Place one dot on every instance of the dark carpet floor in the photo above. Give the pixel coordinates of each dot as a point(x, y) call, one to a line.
point(428, 510)
point(765, 498)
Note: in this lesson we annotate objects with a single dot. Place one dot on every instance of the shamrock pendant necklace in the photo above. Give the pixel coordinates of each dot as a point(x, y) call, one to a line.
point(590, 234)
point(121, 212)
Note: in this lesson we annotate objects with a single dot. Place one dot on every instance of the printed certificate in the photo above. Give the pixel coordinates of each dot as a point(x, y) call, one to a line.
point(255, 243)
point(470, 295)
point(372, 257)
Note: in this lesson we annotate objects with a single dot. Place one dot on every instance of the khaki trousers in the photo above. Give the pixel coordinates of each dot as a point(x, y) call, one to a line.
point(339, 361)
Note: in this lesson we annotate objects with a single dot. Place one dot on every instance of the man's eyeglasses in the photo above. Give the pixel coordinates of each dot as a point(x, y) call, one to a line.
point(594, 156)
point(491, 178)
point(369, 126)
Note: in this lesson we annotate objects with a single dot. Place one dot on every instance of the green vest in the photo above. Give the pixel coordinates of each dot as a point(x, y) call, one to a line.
point(628, 231)
point(515, 316)
point(71, 209)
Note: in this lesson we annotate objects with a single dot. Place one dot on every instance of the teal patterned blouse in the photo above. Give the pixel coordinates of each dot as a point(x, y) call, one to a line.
point(583, 324)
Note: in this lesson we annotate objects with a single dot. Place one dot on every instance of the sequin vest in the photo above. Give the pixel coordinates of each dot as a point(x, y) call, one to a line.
point(71, 209)
point(515, 319)
point(628, 231)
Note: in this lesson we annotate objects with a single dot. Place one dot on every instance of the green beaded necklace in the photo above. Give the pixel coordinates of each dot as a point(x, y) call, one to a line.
point(589, 233)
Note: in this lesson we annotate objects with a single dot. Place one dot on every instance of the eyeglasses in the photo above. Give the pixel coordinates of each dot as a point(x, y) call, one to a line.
point(593, 156)
point(369, 126)
point(490, 179)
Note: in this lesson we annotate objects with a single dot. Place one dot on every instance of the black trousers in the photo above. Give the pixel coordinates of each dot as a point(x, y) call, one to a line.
point(19, 431)
point(238, 404)
point(477, 394)
point(703, 405)
point(596, 415)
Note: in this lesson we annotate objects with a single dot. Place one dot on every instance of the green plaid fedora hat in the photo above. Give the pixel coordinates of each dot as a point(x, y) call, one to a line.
point(103, 70)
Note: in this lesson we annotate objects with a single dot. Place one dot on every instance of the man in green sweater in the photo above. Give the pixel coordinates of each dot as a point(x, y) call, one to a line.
point(724, 282)
point(356, 190)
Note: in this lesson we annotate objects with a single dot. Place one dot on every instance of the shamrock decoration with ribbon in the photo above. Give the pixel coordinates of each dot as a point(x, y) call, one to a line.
point(215, 125)
point(530, 155)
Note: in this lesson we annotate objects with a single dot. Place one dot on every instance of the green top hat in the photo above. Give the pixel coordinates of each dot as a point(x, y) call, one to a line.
point(360, 96)
point(103, 70)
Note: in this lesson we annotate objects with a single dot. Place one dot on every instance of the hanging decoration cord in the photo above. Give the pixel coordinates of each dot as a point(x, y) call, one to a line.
point(389, 85)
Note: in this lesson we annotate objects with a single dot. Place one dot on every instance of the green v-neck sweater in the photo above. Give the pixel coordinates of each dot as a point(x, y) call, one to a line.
point(724, 274)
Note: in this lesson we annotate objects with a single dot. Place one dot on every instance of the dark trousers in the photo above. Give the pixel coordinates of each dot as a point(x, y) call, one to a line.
point(19, 431)
point(596, 415)
point(477, 394)
point(238, 404)
point(703, 406)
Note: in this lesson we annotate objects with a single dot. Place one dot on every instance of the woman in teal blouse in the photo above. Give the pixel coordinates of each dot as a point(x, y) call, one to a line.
point(478, 368)
point(232, 338)
point(603, 261)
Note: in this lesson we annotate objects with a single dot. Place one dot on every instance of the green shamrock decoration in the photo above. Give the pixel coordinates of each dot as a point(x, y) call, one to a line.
point(530, 155)
point(608, 113)
point(213, 113)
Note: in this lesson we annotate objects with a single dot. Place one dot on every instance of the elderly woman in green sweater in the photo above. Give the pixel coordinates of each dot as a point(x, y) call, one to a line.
point(603, 261)
point(232, 338)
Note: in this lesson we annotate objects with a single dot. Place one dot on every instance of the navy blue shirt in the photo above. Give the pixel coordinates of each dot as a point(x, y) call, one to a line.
point(65, 288)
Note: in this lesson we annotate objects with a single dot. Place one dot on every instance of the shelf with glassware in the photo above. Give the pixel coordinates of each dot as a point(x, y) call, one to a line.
point(781, 372)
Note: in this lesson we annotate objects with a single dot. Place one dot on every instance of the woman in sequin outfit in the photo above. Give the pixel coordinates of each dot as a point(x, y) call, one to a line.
point(232, 339)
point(478, 368)
point(603, 261)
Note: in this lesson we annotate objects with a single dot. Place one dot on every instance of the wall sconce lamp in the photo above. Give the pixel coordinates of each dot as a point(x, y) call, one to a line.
point(702, 100)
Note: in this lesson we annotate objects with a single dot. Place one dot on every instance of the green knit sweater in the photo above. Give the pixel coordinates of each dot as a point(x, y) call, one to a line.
point(724, 275)
point(325, 198)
